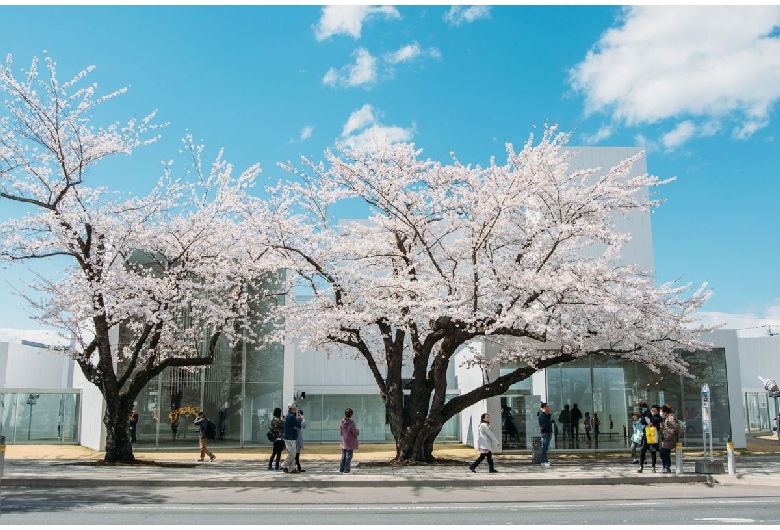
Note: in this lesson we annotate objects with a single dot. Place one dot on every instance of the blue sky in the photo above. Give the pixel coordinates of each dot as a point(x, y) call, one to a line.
point(698, 87)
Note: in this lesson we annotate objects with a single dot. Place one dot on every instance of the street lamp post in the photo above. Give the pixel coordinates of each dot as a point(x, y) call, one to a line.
point(32, 399)
point(770, 385)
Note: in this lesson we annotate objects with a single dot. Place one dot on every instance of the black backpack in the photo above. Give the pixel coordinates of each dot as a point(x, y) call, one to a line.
point(211, 430)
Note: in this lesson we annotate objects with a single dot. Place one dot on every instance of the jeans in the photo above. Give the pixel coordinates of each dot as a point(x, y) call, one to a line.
point(545, 446)
point(666, 458)
point(277, 453)
point(346, 461)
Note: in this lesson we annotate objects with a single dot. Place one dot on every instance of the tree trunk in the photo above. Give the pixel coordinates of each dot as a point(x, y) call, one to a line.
point(119, 449)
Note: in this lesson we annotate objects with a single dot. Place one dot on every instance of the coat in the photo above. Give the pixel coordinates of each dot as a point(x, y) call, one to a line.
point(349, 434)
point(485, 437)
point(670, 429)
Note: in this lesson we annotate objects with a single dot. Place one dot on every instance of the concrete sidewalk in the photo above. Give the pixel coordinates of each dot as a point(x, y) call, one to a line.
point(73, 466)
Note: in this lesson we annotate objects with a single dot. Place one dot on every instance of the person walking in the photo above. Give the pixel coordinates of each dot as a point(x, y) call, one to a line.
point(277, 426)
point(586, 422)
point(485, 438)
point(299, 442)
point(291, 426)
point(545, 426)
point(670, 430)
point(349, 441)
point(652, 424)
point(576, 416)
point(202, 422)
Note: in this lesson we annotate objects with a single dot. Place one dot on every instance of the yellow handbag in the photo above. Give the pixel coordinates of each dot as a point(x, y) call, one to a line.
point(651, 434)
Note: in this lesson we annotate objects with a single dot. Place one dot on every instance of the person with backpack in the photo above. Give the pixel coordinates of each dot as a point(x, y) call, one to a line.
point(291, 425)
point(670, 428)
point(277, 427)
point(637, 436)
point(203, 424)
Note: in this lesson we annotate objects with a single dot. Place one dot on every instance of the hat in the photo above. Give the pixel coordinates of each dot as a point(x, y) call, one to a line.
point(291, 405)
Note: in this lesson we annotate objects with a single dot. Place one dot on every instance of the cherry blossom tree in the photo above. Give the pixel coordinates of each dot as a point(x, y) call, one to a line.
point(172, 268)
point(523, 255)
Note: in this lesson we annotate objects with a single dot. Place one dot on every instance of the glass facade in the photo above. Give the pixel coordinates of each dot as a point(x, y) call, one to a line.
point(760, 411)
point(238, 392)
point(40, 416)
point(611, 389)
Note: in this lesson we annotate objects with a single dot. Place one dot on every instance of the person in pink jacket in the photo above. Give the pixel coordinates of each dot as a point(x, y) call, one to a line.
point(349, 441)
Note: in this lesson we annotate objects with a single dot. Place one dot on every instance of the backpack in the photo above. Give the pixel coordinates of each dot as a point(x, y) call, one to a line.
point(211, 430)
point(271, 435)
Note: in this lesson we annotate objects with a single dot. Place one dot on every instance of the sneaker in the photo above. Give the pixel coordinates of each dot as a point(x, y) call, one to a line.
point(492, 471)
point(472, 469)
point(635, 461)
point(213, 457)
point(639, 470)
point(200, 460)
point(301, 471)
point(546, 464)
point(270, 468)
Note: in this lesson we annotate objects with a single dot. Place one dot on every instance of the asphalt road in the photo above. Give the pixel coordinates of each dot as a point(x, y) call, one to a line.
point(672, 504)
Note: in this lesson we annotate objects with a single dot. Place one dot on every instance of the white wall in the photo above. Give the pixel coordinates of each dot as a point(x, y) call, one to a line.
point(23, 366)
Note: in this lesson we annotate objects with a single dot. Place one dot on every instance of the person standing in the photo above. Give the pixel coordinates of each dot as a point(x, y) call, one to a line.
point(202, 422)
point(564, 418)
point(636, 436)
point(586, 422)
point(545, 426)
point(277, 426)
point(652, 424)
point(576, 416)
point(133, 425)
point(595, 424)
point(485, 438)
point(299, 442)
point(291, 426)
point(670, 429)
point(349, 441)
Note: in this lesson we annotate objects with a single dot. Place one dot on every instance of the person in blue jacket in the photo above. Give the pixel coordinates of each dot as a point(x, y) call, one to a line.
point(291, 425)
point(545, 426)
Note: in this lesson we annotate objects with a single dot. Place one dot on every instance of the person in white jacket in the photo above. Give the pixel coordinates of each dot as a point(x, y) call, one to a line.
point(485, 442)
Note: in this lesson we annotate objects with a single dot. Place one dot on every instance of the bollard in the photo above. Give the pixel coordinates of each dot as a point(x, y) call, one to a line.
point(730, 452)
point(678, 458)
point(2, 455)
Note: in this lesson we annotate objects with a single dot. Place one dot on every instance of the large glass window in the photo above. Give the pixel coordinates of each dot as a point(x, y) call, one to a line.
point(40, 416)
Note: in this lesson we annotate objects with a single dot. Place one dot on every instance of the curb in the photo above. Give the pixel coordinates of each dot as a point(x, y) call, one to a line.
point(313, 481)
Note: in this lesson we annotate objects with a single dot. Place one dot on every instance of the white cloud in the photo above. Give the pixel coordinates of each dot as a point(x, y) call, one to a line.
point(42, 336)
point(306, 132)
point(704, 63)
point(409, 53)
point(362, 72)
point(363, 125)
point(746, 324)
point(604, 132)
point(348, 20)
point(679, 135)
point(458, 15)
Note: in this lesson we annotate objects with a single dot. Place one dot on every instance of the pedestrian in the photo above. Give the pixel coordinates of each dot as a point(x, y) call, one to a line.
point(277, 426)
point(291, 425)
point(588, 426)
point(545, 426)
point(202, 422)
point(564, 418)
point(299, 442)
point(576, 416)
point(133, 425)
point(594, 424)
point(670, 430)
point(485, 438)
point(651, 421)
point(636, 436)
point(349, 441)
